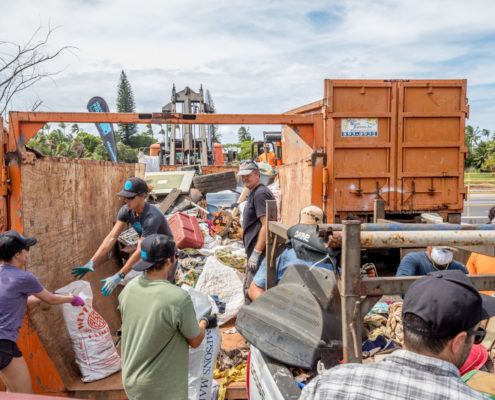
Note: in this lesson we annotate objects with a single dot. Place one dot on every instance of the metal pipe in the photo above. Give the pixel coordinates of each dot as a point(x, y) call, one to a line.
point(399, 285)
point(397, 227)
point(378, 210)
point(351, 286)
point(381, 240)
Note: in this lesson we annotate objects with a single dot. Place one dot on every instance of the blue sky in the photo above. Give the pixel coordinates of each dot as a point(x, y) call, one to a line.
point(255, 56)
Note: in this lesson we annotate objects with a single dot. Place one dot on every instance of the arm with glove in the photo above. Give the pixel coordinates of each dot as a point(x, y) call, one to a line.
point(52, 298)
point(255, 258)
point(102, 252)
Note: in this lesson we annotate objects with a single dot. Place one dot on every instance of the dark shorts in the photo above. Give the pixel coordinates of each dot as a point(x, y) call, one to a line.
point(8, 350)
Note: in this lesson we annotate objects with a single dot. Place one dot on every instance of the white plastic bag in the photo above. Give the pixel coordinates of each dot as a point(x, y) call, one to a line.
point(90, 336)
point(203, 358)
point(222, 281)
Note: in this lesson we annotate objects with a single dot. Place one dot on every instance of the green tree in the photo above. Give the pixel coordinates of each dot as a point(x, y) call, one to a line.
point(245, 150)
point(90, 142)
point(126, 153)
point(125, 103)
point(243, 134)
point(210, 108)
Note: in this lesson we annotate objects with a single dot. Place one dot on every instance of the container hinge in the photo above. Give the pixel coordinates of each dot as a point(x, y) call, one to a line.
point(318, 154)
point(4, 182)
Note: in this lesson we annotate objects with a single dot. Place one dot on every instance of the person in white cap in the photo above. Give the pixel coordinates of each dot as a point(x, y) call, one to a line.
point(304, 246)
point(437, 258)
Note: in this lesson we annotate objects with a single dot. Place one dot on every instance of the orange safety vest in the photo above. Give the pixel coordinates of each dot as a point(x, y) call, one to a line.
point(270, 157)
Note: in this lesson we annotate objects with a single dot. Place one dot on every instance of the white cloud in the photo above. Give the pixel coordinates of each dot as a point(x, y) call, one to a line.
point(255, 56)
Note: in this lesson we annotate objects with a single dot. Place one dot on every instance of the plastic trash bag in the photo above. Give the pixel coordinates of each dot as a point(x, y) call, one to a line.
point(222, 281)
point(202, 360)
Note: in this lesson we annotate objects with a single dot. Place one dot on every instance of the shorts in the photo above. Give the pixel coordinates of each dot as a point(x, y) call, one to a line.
point(8, 350)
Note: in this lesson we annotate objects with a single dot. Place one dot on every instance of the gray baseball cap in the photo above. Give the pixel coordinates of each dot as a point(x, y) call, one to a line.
point(246, 167)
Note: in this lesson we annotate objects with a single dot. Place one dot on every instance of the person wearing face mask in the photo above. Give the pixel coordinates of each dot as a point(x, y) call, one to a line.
point(438, 336)
point(433, 259)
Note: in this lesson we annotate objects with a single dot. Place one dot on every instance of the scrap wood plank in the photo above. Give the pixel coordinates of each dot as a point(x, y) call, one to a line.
point(169, 200)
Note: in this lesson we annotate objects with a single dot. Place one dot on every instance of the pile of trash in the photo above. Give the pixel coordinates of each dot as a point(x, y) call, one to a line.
point(383, 327)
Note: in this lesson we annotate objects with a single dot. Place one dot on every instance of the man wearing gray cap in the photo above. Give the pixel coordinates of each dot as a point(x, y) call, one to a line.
point(441, 315)
point(254, 220)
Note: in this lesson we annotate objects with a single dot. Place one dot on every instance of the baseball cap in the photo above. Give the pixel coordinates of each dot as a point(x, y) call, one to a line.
point(311, 215)
point(12, 241)
point(476, 359)
point(448, 302)
point(132, 187)
point(154, 249)
point(246, 167)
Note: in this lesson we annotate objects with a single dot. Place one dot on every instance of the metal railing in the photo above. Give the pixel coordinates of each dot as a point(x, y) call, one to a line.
point(478, 183)
point(359, 294)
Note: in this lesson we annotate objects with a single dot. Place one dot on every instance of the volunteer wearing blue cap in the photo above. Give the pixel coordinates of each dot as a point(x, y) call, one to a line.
point(158, 326)
point(145, 218)
point(18, 288)
point(441, 316)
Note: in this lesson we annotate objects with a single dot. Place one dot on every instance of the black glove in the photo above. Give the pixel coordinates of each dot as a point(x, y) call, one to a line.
point(211, 321)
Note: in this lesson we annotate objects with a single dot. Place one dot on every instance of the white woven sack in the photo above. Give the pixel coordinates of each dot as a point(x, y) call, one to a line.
point(90, 335)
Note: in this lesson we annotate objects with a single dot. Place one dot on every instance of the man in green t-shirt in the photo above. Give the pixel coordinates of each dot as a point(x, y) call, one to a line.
point(158, 326)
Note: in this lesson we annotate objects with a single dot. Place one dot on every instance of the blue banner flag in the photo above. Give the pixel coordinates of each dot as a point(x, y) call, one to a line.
point(97, 104)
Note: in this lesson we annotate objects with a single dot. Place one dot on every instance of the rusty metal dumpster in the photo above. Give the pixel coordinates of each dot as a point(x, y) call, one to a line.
point(400, 141)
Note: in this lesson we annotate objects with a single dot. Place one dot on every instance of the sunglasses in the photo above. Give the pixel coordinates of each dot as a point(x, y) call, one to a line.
point(478, 334)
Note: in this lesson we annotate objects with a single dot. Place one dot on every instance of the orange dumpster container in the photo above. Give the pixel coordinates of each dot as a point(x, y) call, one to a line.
point(401, 141)
point(218, 154)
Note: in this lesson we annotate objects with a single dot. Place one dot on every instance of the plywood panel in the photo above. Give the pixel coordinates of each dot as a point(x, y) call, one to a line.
point(295, 144)
point(70, 206)
point(296, 181)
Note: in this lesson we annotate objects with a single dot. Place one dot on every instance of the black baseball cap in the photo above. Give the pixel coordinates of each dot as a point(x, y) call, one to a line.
point(133, 187)
point(12, 242)
point(155, 249)
point(448, 302)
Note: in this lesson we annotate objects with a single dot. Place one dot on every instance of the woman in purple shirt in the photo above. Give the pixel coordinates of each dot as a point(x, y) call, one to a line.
point(18, 288)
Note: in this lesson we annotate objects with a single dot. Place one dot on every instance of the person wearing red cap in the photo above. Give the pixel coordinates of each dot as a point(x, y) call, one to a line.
point(441, 317)
point(18, 288)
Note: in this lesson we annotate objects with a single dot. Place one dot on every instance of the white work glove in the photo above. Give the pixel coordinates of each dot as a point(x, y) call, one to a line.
point(253, 261)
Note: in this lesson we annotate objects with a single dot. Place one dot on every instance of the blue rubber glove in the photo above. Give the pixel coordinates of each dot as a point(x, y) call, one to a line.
point(110, 283)
point(79, 272)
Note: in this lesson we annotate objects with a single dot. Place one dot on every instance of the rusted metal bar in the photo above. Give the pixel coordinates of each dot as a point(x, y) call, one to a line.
point(405, 239)
point(378, 210)
point(350, 288)
point(166, 118)
point(278, 229)
point(271, 215)
point(397, 227)
point(399, 285)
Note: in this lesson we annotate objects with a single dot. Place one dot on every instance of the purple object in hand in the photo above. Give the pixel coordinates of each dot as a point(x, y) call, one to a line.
point(77, 301)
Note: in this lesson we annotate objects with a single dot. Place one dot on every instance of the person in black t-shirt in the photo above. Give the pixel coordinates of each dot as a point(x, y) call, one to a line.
point(254, 219)
point(145, 218)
